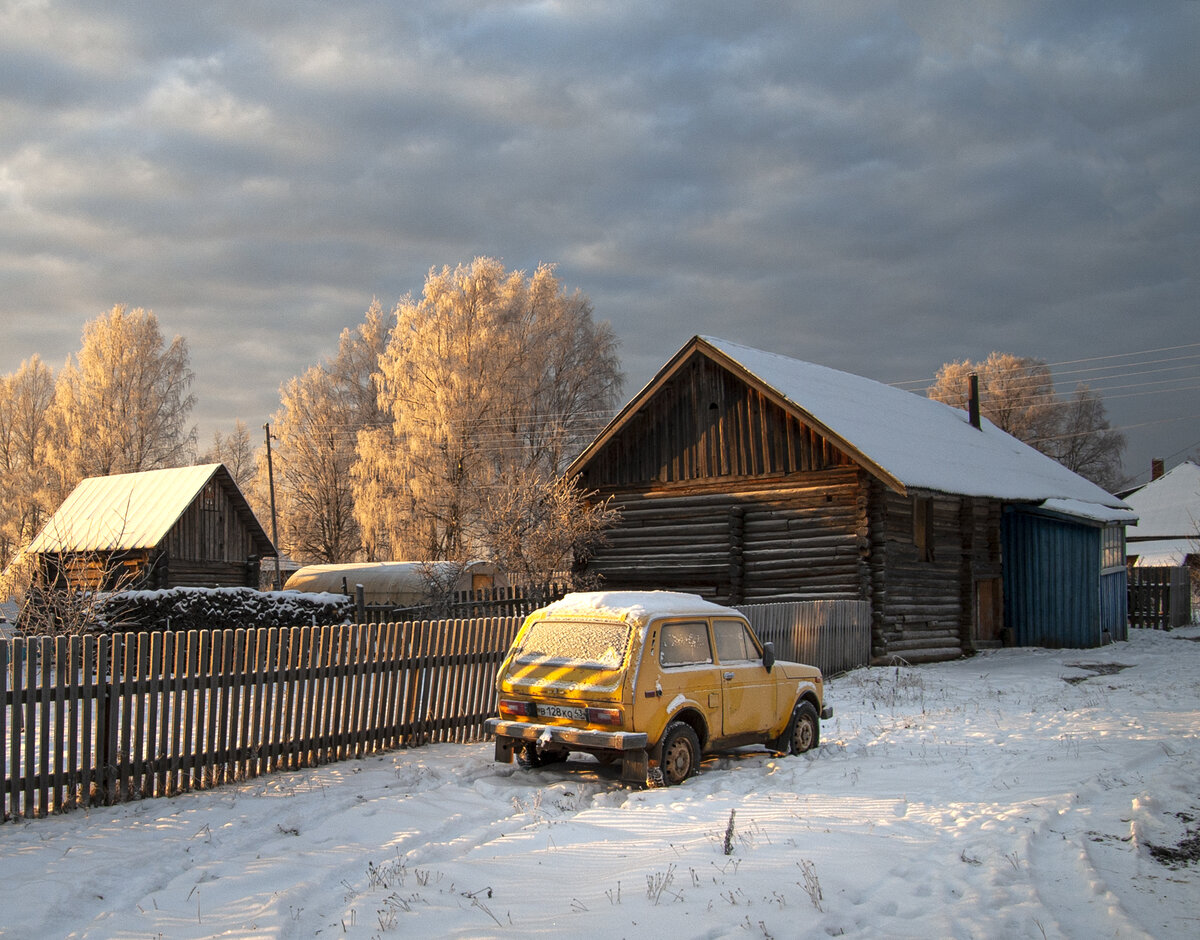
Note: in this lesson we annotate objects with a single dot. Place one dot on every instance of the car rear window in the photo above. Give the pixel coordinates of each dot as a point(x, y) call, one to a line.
point(575, 642)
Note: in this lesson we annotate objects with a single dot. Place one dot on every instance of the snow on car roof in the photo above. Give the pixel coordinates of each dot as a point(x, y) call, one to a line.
point(635, 605)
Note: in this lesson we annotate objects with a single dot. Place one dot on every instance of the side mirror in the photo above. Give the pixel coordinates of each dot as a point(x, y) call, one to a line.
point(768, 655)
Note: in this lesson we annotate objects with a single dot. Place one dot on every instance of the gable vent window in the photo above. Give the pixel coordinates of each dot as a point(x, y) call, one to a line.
point(210, 497)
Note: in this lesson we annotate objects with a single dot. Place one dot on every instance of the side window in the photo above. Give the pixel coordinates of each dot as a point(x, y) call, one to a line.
point(685, 644)
point(734, 643)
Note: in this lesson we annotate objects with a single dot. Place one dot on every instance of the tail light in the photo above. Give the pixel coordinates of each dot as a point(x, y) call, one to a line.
point(604, 716)
point(514, 709)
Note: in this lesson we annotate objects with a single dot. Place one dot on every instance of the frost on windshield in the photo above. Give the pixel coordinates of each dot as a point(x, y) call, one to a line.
point(577, 642)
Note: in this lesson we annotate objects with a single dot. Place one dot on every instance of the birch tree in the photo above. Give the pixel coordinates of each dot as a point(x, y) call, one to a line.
point(1017, 394)
point(490, 379)
point(322, 413)
point(122, 404)
point(25, 494)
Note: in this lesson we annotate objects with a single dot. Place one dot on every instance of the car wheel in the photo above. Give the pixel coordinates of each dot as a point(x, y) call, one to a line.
point(804, 730)
point(680, 753)
point(531, 757)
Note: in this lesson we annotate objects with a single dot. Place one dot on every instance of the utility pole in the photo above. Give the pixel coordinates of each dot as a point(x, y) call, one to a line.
point(274, 520)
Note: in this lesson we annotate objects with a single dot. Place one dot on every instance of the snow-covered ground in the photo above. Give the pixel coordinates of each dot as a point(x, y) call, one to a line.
point(1021, 793)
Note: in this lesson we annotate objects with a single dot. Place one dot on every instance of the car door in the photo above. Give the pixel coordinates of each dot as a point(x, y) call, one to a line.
point(749, 707)
point(688, 669)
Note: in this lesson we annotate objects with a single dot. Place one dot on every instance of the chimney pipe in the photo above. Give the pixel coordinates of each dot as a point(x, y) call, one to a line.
point(1156, 468)
point(973, 400)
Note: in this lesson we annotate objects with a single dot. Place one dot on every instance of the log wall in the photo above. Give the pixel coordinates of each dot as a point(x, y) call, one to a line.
point(923, 605)
point(742, 541)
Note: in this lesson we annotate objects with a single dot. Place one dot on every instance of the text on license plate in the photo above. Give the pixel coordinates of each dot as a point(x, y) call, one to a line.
point(562, 711)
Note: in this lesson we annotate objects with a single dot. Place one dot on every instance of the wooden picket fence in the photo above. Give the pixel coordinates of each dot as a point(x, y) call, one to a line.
point(1160, 598)
point(104, 719)
point(487, 602)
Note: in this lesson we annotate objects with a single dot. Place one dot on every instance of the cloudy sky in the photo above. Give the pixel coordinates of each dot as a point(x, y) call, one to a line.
point(875, 187)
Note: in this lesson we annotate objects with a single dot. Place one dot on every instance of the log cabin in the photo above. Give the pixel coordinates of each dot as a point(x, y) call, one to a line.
point(746, 476)
point(179, 527)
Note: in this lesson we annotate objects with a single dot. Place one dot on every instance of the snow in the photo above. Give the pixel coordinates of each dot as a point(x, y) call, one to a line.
point(1022, 793)
point(921, 443)
point(635, 606)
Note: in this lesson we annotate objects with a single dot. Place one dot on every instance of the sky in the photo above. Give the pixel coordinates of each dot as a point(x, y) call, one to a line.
point(1019, 793)
point(879, 188)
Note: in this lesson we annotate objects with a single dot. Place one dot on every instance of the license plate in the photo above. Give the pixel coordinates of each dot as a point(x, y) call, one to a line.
point(562, 711)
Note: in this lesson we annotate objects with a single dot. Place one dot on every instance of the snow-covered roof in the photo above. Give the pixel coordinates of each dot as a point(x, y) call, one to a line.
point(922, 444)
point(1163, 553)
point(635, 606)
point(1168, 507)
point(128, 511)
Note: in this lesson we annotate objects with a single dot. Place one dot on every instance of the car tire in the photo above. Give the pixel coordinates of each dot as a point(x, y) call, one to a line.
point(530, 757)
point(680, 753)
point(803, 731)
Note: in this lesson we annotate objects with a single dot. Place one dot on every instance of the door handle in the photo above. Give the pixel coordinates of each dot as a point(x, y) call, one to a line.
point(728, 676)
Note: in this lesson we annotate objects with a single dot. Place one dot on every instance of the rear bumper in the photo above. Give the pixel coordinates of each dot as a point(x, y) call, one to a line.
point(566, 736)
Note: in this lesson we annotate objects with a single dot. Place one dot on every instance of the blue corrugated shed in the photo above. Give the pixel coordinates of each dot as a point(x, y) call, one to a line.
point(1054, 593)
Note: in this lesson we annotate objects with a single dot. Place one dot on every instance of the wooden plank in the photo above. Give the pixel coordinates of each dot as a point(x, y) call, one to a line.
point(64, 737)
point(28, 711)
point(10, 765)
point(169, 718)
point(193, 715)
point(259, 666)
point(204, 729)
point(135, 740)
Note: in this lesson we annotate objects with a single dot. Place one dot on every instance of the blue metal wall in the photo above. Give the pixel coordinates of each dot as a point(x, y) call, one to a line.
point(1052, 591)
point(1114, 604)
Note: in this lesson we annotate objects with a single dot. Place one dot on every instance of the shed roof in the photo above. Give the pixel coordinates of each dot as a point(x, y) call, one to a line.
point(130, 511)
point(909, 441)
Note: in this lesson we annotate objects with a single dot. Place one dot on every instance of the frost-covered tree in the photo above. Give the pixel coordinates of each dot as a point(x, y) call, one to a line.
point(237, 452)
point(25, 494)
point(490, 379)
point(1017, 394)
point(317, 429)
point(123, 403)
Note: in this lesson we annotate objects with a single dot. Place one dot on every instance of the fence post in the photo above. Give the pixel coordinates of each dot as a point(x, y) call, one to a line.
point(360, 604)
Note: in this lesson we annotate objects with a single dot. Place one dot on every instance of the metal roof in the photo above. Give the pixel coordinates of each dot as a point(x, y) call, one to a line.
point(128, 511)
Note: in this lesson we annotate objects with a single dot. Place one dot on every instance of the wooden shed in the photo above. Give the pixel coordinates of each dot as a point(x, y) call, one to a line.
point(746, 477)
point(180, 527)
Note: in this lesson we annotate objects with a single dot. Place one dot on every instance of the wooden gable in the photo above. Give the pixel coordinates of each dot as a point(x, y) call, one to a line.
point(701, 422)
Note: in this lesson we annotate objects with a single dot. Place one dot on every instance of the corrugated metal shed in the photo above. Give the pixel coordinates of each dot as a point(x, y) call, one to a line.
point(127, 511)
point(1052, 593)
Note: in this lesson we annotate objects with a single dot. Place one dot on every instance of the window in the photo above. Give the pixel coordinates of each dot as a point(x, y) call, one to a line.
point(1113, 547)
point(923, 527)
point(733, 642)
point(567, 642)
point(685, 644)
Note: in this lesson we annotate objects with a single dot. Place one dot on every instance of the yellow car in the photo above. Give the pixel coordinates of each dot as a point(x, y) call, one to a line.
point(654, 679)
